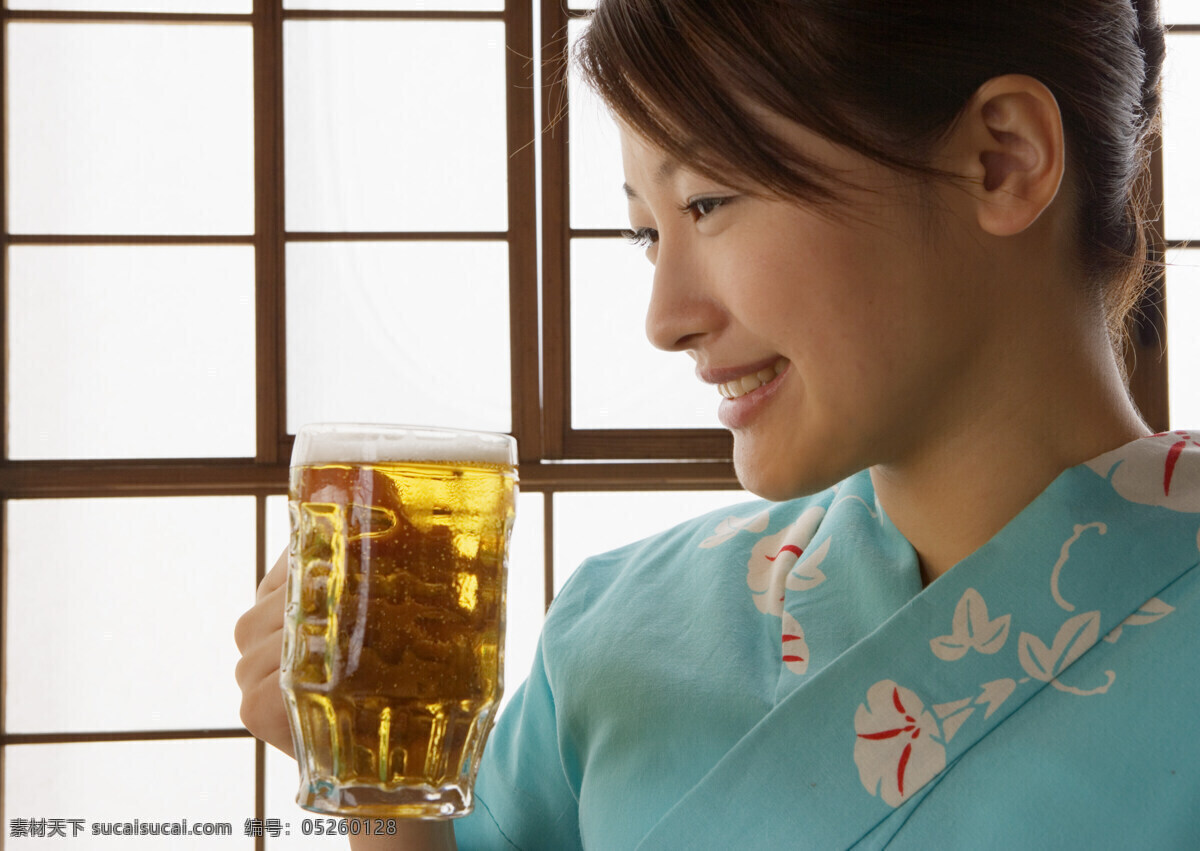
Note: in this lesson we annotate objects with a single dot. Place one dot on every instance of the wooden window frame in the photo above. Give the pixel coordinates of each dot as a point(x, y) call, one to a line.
point(555, 457)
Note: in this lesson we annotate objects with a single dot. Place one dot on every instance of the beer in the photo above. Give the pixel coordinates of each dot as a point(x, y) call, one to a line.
point(394, 627)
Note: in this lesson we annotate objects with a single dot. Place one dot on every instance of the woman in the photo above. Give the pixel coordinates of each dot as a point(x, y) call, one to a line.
point(901, 240)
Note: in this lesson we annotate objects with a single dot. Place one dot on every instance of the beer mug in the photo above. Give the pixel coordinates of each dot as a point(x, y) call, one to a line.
point(394, 625)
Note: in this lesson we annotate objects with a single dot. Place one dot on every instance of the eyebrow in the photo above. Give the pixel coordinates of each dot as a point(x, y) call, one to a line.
point(661, 175)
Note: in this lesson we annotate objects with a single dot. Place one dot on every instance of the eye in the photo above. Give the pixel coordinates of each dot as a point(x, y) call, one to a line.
point(644, 237)
point(699, 208)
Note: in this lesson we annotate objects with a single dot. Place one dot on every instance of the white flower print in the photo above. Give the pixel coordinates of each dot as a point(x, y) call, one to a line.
point(779, 561)
point(1159, 470)
point(730, 526)
point(899, 748)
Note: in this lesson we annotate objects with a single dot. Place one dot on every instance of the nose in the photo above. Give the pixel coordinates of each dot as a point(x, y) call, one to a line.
point(682, 312)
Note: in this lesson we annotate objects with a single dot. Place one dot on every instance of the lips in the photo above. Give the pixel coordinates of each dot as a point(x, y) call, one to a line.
point(752, 381)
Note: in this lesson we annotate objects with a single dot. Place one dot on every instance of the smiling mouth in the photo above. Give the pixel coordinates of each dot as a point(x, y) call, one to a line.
point(749, 383)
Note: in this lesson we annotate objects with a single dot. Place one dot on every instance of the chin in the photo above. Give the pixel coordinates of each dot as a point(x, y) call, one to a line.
point(779, 478)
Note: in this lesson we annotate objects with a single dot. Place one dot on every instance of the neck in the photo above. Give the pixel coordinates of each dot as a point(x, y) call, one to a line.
point(1045, 407)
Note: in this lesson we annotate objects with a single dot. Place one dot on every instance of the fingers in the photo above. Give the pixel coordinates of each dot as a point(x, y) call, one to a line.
point(263, 618)
point(259, 638)
point(260, 661)
point(264, 715)
point(262, 711)
point(266, 615)
point(257, 676)
point(276, 576)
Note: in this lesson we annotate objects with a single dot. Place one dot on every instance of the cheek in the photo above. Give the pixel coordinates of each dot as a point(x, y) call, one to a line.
point(849, 301)
point(831, 309)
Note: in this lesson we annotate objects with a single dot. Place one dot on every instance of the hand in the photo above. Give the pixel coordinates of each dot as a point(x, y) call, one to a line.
point(259, 637)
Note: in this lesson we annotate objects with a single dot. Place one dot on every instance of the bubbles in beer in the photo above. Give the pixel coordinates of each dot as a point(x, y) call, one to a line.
point(394, 630)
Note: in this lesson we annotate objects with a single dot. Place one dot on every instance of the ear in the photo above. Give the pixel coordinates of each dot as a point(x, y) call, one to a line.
point(1008, 143)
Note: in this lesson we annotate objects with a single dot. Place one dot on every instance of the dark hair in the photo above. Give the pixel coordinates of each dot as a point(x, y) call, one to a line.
point(888, 78)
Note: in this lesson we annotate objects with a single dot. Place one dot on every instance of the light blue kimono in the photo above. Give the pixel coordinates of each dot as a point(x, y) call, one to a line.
point(774, 676)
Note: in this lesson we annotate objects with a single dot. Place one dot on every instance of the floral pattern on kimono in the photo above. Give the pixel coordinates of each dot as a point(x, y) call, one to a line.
point(1037, 689)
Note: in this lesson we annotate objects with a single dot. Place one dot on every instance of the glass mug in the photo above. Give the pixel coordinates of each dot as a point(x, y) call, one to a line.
point(393, 647)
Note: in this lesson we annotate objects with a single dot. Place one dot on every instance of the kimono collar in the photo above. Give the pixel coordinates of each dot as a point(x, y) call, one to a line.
point(841, 752)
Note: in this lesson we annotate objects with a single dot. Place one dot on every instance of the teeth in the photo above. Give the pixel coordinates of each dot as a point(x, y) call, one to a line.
point(750, 383)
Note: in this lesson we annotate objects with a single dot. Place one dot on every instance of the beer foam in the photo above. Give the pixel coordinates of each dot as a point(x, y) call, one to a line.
point(333, 443)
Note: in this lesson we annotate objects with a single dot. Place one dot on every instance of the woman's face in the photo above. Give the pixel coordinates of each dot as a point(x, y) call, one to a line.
point(833, 343)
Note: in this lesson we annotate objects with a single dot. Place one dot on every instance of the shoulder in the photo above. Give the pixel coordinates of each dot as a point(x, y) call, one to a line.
point(682, 555)
point(1160, 470)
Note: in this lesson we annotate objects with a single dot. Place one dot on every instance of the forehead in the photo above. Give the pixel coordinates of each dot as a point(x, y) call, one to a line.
point(646, 165)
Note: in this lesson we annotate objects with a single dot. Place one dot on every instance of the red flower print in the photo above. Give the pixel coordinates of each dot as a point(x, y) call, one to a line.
point(795, 648)
point(782, 561)
point(898, 748)
point(1160, 470)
